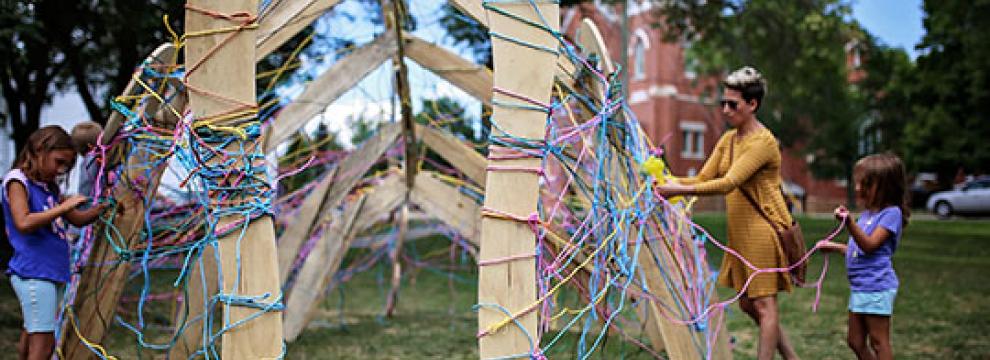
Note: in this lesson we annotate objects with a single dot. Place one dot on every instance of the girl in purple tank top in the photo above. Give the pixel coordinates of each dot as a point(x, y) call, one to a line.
point(881, 188)
point(35, 215)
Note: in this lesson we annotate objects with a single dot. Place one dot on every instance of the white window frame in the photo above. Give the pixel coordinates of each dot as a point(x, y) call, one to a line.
point(693, 134)
point(639, 61)
point(640, 45)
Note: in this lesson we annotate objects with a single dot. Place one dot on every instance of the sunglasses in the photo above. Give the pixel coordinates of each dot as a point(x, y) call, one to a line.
point(731, 103)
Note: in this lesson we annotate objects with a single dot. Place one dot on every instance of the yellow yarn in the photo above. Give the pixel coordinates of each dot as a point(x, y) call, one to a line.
point(657, 168)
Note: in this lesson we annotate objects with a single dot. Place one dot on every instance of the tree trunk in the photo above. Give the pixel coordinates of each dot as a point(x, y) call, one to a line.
point(82, 86)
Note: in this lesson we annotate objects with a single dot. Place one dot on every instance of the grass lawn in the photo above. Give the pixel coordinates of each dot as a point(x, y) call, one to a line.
point(941, 311)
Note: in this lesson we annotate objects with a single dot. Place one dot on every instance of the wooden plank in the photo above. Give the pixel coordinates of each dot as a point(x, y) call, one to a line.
point(460, 155)
point(353, 168)
point(402, 222)
point(445, 203)
point(161, 59)
point(319, 267)
point(201, 284)
point(475, 10)
point(471, 8)
point(284, 20)
point(593, 43)
point(394, 15)
point(99, 287)
point(301, 225)
point(330, 85)
point(348, 172)
point(526, 71)
point(474, 79)
point(223, 63)
point(679, 340)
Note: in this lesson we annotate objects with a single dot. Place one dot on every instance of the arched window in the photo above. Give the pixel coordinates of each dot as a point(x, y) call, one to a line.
point(639, 61)
point(640, 43)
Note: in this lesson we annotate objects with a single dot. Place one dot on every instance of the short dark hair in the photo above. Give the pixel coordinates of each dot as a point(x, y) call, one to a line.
point(748, 82)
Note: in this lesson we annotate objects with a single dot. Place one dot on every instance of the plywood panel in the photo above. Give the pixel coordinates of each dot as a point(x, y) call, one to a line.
point(526, 71)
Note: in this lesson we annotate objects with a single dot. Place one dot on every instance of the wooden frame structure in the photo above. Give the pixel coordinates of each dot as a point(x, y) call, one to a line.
point(517, 69)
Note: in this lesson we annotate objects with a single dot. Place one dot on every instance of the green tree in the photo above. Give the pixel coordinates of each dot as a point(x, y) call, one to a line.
point(46, 46)
point(885, 94)
point(304, 148)
point(446, 113)
point(799, 46)
point(29, 67)
point(951, 100)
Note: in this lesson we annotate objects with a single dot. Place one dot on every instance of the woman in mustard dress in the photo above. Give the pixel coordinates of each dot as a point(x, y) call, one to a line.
point(747, 158)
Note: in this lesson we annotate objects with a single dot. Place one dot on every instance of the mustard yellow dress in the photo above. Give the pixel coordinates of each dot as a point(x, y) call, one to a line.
point(755, 167)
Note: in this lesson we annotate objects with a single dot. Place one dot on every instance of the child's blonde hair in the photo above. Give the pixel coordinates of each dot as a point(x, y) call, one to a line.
point(84, 135)
point(882, 178)
point(40, 143)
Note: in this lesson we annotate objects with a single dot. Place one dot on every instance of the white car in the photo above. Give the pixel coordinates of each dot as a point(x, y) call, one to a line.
point(971, 198)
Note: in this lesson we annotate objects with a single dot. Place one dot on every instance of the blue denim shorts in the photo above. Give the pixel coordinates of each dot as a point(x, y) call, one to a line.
point(39, 303)
point(872, 302)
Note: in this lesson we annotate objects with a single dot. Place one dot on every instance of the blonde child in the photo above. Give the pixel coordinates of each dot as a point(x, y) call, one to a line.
point(880, 187)
point(35, 214)
point(84, 138)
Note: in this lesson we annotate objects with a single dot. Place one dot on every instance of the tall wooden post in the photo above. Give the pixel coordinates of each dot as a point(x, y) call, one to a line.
point(220, 69)
point(524, 67)
point(395, 11)
point(100, 285)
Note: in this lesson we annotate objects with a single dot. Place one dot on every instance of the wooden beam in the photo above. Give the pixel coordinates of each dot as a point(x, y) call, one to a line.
point(463, 157)
point(402, 222)
point(522, 70)
point(224, 63)
point(395, 14)
point(297, 232)
point(354, 166)
point(161, 59)
point(316, 275)
point(445, 203)
point(473, 9)
point(348, 172)
point(330, 85)
point(285, 19)
point(200, 285)
point(593, 43)
point(678, 340)
point(474, 79)
point(102, 280)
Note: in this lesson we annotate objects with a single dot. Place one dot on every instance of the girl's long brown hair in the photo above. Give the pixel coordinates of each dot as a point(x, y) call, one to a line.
point(882, 178)
point(40, 143)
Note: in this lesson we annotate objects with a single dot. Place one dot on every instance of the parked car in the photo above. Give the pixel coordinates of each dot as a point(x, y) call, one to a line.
point(973, 197)
point(922, 186)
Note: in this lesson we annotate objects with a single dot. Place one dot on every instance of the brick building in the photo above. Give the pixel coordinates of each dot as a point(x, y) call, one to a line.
point(671, 103)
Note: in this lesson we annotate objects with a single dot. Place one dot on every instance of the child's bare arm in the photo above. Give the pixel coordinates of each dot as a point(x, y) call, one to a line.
point(829, 246)
point(867, 243)
point(26, 221)
point(84, 217)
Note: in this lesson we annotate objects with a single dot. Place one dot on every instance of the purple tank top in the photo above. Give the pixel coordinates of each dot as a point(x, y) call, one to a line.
point(43, 253)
